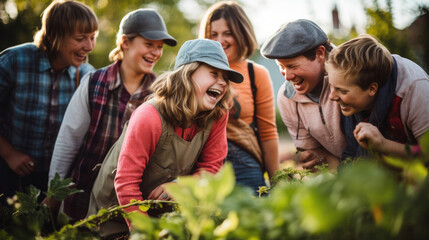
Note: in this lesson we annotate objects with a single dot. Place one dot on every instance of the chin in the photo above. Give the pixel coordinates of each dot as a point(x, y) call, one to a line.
point(348, 113)
point(76, 65)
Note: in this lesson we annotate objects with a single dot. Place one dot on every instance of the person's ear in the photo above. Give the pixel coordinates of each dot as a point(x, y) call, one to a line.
point(125, 42)
point(373, 88)
point(321, 53)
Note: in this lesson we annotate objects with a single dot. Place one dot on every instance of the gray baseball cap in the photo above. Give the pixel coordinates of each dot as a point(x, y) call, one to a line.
point(293, 39)
point(148, 23)
point(209, 52)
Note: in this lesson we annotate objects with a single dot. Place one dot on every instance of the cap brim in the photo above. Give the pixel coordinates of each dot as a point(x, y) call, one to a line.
point(160, 35)
point(233, 76)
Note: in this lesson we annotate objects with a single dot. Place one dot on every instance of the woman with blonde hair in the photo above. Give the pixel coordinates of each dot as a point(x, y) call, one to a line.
point(252, 131)
point(104, 102)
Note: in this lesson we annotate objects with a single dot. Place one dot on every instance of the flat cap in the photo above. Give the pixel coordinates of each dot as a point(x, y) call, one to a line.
point(293, 39)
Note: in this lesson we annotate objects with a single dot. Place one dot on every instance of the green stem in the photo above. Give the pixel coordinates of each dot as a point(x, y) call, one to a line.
point(51, 216)
point(117, 208)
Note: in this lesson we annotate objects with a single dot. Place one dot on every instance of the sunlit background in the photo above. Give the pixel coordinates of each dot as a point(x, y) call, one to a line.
point(401, 25)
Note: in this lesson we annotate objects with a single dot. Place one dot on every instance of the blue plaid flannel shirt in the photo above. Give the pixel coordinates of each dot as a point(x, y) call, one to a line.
point(26, 97)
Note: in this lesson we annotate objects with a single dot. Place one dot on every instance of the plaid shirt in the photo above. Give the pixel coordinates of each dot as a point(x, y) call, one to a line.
point(33, 100)
point(111, 106)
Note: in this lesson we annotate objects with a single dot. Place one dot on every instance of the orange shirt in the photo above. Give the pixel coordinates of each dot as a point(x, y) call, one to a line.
point(265, 117)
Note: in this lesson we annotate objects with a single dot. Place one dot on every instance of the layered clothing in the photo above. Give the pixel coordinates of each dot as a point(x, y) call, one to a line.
point(312, 124)
point(160, 155)
point(93, 122)
point(400, 112)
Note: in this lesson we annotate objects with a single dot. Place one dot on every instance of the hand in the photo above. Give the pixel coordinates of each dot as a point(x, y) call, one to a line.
point(20, 163)
point(369, 137)
point(159, 193)
point(309, 159)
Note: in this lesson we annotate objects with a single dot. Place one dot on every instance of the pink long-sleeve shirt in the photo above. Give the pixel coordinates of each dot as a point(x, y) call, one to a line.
point(143, 133)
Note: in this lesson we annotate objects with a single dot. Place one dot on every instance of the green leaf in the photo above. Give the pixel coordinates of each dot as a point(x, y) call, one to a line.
point(141, 221)
point(61, 189)
point(229, 225)
point(28, 200)
point(144, 207)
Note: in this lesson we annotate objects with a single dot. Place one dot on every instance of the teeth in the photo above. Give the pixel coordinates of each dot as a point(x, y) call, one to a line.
point(298, 82)
point(214, 91)
point(148, 60)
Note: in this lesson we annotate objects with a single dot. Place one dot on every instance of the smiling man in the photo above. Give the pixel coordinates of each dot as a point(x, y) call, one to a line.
point(300, 49)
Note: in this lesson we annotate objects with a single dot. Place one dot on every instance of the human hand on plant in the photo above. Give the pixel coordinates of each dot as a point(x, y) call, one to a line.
point(20, 163)
point(159, 193)
point(309, 159)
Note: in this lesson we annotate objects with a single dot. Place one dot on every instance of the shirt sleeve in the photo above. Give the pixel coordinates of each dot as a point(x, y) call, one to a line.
point(416, 105)
point(143, 133)
point(72, 132)
point(215, 149)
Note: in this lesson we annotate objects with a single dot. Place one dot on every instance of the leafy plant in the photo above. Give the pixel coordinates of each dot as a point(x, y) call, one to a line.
point(364, 201)
point(27, 217)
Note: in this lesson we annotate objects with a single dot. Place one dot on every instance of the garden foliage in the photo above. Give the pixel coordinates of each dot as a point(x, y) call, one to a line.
point(372, 198)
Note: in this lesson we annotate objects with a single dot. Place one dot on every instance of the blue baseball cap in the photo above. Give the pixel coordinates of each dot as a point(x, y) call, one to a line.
point(209, 52)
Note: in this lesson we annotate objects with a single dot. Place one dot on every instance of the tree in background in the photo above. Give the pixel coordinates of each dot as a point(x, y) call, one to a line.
point(418, 35)
point(409, 43)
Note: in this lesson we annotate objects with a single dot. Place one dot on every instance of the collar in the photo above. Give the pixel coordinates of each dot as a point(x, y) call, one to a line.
point(113, 76)
point(45, 65)
point(115, 81)
point(290, 91)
